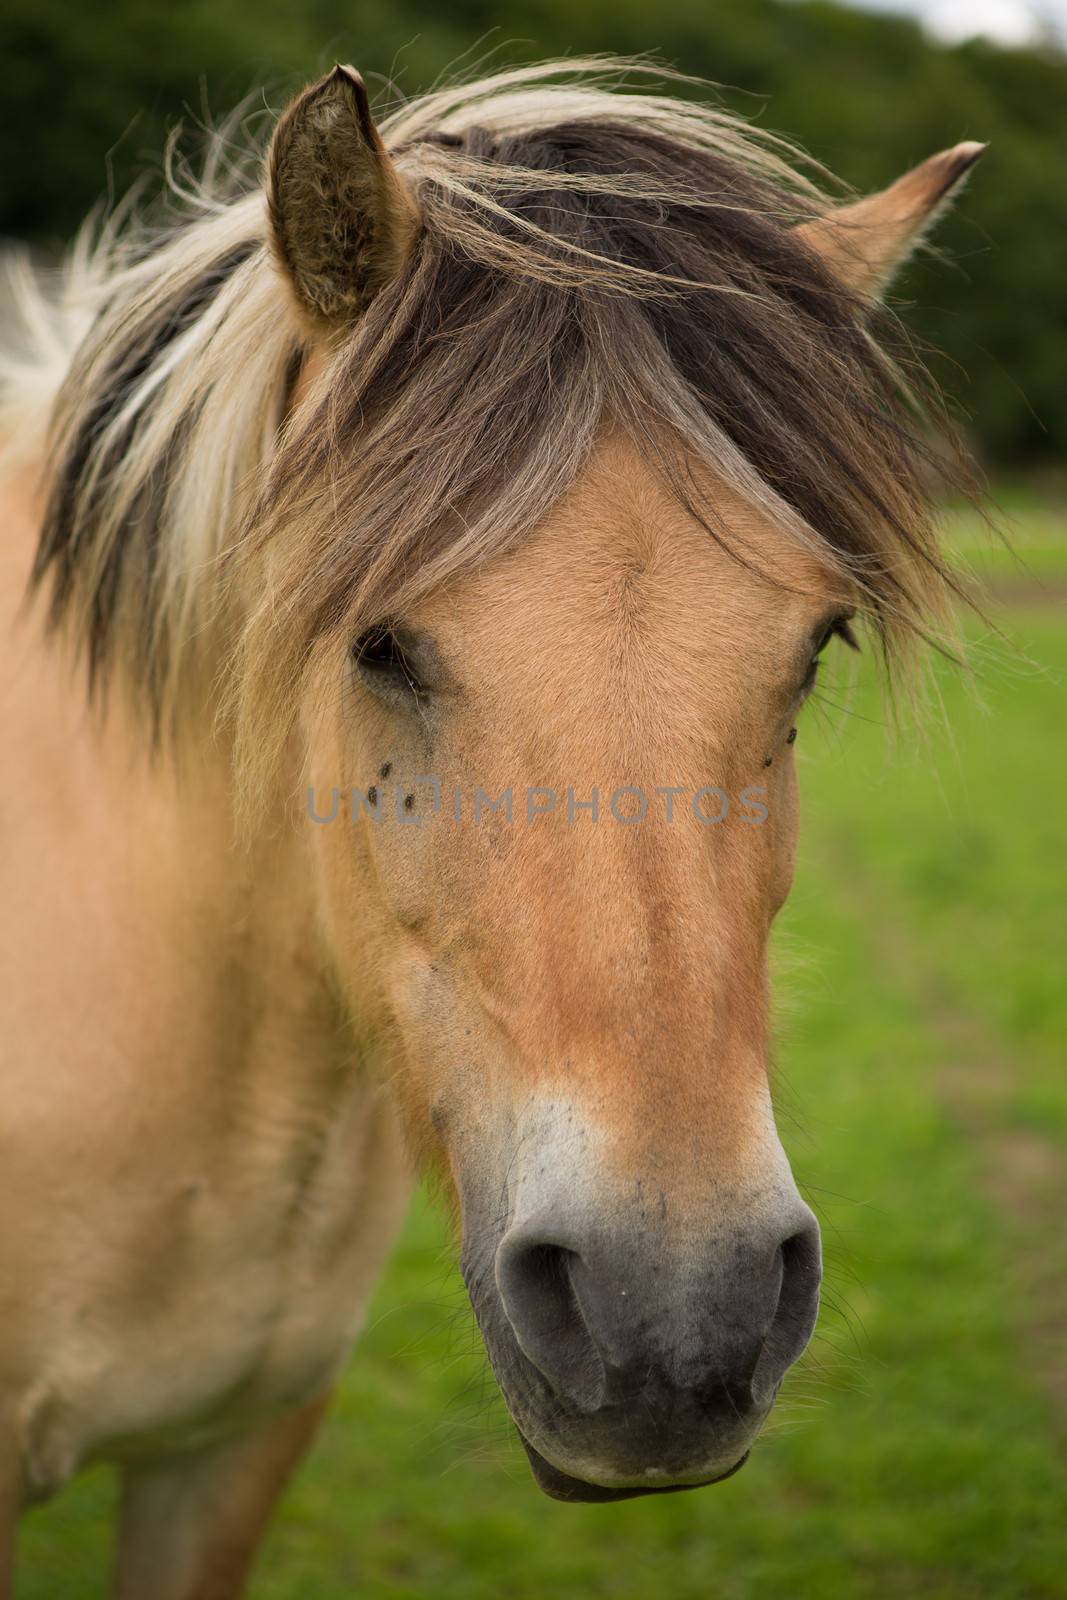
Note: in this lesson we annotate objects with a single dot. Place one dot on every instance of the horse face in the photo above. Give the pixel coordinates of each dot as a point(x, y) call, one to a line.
point(580, 996)
point(577, 996)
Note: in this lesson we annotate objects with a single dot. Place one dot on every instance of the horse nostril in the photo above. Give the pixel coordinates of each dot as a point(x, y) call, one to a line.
point(801, 1276)
point(534, 1280)
point(797, 1308)
point(539, 1288)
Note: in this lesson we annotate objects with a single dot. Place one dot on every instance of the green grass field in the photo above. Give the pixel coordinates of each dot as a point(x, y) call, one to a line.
point(921, 1448)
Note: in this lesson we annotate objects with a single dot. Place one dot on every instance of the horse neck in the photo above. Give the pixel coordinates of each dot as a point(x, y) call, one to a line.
point(211, 919)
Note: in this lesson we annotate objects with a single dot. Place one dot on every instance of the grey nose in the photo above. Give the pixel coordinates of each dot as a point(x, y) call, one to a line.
point(605, 1320)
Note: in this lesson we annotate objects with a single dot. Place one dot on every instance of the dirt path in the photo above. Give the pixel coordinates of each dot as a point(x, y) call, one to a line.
point(1024, 591)
point(1024, 1173)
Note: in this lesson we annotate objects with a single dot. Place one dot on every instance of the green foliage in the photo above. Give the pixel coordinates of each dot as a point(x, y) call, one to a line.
point(90, 93)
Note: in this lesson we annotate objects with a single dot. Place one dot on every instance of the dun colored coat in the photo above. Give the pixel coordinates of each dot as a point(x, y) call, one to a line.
point(532, 446)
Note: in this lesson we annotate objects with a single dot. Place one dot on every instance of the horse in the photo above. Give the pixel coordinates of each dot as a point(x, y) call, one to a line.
point(416, 556)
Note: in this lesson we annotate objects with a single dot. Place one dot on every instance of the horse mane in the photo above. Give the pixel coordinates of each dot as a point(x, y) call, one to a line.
point(591, 257)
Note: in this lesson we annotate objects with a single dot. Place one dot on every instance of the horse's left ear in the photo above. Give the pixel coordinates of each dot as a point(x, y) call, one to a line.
point(866, 243)
point(342, 219)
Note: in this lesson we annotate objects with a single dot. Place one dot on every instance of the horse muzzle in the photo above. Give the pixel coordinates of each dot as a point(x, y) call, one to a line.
point(636, 1363)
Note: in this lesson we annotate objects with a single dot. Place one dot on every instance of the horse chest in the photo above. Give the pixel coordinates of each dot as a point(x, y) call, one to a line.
point(229, 1298)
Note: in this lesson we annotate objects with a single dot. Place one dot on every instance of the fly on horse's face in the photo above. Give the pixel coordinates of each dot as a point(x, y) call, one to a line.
point(583, 1002)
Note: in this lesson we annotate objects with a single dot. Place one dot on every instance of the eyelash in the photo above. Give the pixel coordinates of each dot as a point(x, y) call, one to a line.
point(841, 630)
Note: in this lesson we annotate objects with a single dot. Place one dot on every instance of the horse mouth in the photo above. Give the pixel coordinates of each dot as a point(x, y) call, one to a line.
point(560, 1485)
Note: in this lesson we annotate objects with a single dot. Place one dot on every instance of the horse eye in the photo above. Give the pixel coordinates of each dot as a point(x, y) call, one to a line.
point(838, 629)
point(379, 657)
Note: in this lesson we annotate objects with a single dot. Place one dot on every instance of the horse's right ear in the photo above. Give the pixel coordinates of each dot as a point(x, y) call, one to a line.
point(342, 219)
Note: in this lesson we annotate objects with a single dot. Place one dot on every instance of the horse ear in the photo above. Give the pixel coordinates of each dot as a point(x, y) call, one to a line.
point(342, 219)
point(866, 243)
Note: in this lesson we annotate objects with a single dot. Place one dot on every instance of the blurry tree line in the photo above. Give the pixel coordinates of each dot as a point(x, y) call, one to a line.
point(90, 91)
